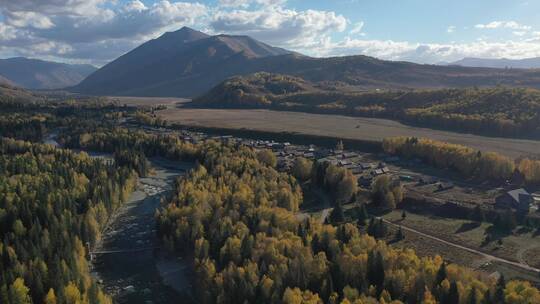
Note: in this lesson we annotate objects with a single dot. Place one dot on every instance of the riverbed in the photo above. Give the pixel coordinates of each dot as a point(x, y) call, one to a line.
point(129, 262)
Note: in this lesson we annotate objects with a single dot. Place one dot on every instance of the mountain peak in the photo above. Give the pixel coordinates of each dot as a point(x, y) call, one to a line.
point(185, 34)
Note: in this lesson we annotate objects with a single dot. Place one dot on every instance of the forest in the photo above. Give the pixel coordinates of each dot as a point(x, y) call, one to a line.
point(466, 161)
point(496, 111)
point(236, 214)
point(53, 203)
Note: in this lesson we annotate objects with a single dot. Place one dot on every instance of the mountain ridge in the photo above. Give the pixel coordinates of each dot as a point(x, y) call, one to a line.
point(500, 63)
point(40, 74)
point(173, 65)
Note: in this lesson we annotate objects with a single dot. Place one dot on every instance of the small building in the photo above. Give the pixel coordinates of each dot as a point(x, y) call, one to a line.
point(518, 199)
point(348, 155)
point(344, 162)
point(309, 155)
point(366, 166)
point(377, 172)
point(357, 170)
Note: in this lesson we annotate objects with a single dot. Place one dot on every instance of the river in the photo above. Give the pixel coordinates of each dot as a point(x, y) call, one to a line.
point(129, 263)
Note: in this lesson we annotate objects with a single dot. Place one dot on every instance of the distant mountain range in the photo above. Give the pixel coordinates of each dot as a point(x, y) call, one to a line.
point(39, 74)
point(188, 63)
point(528, 63)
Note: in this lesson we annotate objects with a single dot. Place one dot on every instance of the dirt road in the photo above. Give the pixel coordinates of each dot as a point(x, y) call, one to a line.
point(485, 255)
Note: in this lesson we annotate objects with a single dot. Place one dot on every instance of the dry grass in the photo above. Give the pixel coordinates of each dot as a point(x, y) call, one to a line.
point(525, 244)
point(340, 127)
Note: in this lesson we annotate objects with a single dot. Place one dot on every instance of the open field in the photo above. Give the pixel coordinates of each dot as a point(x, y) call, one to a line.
point(519, 246)
point(427, 247)
point(339, 127)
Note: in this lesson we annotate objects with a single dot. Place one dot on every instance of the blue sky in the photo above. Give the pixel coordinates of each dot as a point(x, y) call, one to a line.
point(424, 31)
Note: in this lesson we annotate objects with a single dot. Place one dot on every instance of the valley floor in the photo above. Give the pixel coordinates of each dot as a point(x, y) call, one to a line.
point(338, 126)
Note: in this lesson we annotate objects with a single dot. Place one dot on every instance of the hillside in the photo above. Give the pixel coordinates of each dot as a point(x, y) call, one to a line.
point(39, 74)
point(498, 111)
point(528, 63)
point(187, 63)
point(13, 93)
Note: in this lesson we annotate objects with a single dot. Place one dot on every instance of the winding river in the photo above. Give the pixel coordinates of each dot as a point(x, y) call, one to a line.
point(128, 262)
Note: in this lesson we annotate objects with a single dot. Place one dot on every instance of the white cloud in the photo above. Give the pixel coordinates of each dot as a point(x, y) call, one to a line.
point(235, 3)
point(29, 19)
point(430, 52)
point(279, 25)
point(357, 28)
point(134, 6)
point(247, 3)
point(55, 7)
point(451, 29)
point(68, 28)
point(7, 32)
point(513, 25)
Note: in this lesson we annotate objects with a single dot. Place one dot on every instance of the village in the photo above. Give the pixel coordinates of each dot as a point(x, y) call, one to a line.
point(436, 186)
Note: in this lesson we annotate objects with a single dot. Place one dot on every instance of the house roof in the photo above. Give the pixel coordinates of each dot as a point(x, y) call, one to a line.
point(517, 194)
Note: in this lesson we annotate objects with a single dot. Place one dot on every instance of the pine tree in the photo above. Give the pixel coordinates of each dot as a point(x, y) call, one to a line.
point(453, 294)
point(499, 290)
point(376, 270)
point(441, 274)
point(337, 215)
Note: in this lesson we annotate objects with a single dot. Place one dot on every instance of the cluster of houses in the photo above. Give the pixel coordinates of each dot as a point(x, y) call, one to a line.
point(365, 171)
point(287, 153)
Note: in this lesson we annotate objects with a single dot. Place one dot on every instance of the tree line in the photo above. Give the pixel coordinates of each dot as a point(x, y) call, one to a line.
point(466, 161)
point(500, 111)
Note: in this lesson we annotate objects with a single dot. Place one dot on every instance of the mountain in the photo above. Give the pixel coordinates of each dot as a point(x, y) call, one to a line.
point(529, 63)
point(181, 63)
point(188, 63)
point(39, 74)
